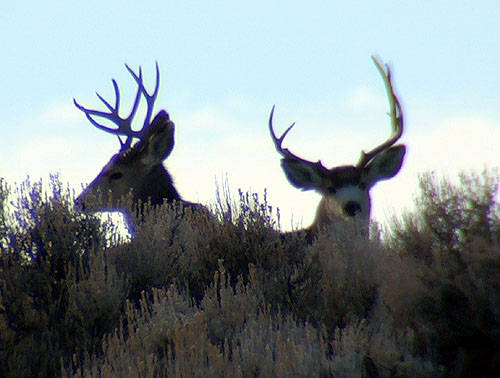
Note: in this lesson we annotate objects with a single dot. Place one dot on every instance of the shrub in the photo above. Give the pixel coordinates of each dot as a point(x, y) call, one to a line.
point(59, 296)
point(448, 285)
point(194, 293)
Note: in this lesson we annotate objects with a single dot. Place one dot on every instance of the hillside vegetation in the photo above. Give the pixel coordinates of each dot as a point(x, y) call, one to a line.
point(228, 295)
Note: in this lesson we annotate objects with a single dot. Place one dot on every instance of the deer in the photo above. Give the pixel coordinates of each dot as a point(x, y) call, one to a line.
point(345, 190)
point(137, 169)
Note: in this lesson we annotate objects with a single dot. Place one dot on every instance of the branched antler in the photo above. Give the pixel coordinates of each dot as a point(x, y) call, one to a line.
point(124, 124)
point(285, 152)
point(395, 113)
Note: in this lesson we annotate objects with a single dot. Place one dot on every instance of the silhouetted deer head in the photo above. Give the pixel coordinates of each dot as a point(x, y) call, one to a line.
point(346, 189)
point(137, 169)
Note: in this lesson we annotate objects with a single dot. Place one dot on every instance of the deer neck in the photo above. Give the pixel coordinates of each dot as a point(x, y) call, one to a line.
point(324, 218)
point(330, 215)
point(157, 188)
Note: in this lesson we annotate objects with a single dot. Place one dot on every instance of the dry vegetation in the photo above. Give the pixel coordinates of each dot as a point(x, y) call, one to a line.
point(191, 296)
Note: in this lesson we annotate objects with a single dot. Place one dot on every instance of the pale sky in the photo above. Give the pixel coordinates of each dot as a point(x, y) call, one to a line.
point(224, 64)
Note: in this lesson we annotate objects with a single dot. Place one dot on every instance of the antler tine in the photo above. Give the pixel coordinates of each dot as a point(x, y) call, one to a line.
point(285, 152)
point(278, 141)
point(123, 145)
point(150, 98)
point(140, 90)
point(124, 125)
point(112, 116)
point(117, 97)
point(395, 112)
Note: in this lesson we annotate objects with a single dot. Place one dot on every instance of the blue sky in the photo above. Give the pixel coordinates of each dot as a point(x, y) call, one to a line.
point(225, 63)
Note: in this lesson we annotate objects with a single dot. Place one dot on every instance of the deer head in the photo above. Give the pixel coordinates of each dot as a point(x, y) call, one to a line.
point(136, 170)
point(345, 190)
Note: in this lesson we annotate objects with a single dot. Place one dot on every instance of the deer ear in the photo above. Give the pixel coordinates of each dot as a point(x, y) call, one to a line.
point(159, 141)
point(304, 175)
point(385, 165)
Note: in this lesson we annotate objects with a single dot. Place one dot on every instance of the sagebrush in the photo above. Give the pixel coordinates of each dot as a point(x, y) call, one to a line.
point(229, 294)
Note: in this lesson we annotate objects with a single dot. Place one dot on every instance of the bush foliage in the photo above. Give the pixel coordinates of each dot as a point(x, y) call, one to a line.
point(226, 293)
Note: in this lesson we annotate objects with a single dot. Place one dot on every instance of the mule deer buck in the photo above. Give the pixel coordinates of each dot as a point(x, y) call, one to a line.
point(345, 189)
point(136, 170)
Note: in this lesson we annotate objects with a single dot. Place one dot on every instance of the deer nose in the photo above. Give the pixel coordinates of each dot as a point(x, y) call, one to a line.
point(79, 204)
point(352, 208)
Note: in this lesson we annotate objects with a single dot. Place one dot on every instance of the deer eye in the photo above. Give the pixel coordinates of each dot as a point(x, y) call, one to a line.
point(116, 176)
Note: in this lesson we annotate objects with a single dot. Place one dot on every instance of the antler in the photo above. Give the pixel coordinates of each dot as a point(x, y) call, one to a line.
point(124, 124)
point(285, 152)
point(395, 112)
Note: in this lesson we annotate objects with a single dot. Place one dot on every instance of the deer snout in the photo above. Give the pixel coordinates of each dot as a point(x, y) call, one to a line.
point(79, 204)
point(352, 208)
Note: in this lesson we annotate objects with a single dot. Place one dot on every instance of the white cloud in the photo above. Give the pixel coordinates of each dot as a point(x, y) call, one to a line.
point(454, 145)
point(59, 113)
point(459, 143)
point(38, 157)
point(364, 97)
